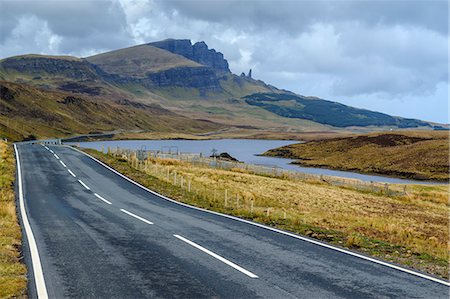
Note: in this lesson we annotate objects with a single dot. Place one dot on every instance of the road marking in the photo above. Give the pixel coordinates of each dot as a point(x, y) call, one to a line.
point(84, 185)
point(223, 260)
point(70, 171)
point(329, 246)
point(62, 163)
point(39, 280)
point(136, 216)
point(51, 151)
point(56, 156)
point(107, 201)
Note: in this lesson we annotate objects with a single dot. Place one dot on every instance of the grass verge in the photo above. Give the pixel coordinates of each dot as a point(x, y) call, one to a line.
point(13, 280)
point(411, 229)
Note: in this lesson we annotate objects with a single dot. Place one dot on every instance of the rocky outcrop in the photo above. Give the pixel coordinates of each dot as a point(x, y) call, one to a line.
point(199, 77)
point(72, 68)
point(198, 52)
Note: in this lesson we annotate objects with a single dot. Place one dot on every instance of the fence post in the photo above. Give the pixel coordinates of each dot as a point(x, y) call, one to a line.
point(189, 185)
point(251, 206)
point(226, 197)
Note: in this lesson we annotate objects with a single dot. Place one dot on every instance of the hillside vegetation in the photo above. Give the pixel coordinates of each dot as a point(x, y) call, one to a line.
point(415, 155)
point(411, 229)
point(138, 61)
point(29, 112)
point(326, 112)
point(13, 279)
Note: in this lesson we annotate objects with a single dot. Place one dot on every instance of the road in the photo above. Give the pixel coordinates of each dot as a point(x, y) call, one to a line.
point(99, 235)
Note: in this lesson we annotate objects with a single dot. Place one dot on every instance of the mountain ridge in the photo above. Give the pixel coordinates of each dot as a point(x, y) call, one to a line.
point(195, 81)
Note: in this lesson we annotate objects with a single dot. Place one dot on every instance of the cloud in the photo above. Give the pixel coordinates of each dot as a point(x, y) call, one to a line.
point(31, 32)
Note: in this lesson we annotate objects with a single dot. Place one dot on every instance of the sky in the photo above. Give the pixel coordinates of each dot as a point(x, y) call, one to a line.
point(388, 56)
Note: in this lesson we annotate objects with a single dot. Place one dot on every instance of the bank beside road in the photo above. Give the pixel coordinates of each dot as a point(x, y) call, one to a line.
point(12, 270)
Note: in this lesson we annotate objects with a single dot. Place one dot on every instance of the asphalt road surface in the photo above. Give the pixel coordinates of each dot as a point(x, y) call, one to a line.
point(98, 235)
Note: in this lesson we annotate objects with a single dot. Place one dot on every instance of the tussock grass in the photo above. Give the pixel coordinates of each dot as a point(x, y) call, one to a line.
point(409, 154)
point(411, 229)
point(12, 270)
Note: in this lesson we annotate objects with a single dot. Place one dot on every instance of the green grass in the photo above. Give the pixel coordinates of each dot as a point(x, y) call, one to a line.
point(12, 271)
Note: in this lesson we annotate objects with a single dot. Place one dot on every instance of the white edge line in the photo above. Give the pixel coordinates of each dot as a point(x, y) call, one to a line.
point(71, 173)
point(376, 261)
point(223, 260)
point(39, 280)
point(136, 216)
point(84, 185)
point(62, 163)
point(101, 198)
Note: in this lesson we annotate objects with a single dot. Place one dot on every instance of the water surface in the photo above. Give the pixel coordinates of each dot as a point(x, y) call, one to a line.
point(245, 150)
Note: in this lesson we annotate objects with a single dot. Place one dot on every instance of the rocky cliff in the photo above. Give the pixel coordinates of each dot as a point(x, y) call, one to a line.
point(43, 66)
point(197, 52)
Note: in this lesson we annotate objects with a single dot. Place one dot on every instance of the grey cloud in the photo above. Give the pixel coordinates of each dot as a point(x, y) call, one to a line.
point(296, 16)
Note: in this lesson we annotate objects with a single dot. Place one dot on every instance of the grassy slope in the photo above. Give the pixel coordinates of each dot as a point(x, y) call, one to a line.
point(409, 229)
point(139, 60)
point(418, 155)
point(12, 270)
point(26, 110)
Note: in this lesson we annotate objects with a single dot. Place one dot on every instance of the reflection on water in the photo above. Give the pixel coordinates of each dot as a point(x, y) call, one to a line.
point(245, 150)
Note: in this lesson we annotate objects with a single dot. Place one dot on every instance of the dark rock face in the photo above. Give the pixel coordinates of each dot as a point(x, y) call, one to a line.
point(70, 100)
point(6, 93)
point(73, 69)
point(192, 77)
point(198, 52)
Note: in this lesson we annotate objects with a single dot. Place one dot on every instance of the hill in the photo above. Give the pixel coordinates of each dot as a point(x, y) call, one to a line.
point(139, 61)
point(30, 112)
point(194, 81)
point(327, 112)
point(416, 155)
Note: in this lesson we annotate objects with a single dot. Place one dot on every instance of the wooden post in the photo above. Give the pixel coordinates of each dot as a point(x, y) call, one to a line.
point(251, 206)
point(189, 185)
point(175, 178)
point(181, 182)
point(226, 197)
point(237, 201)
point(268, 212)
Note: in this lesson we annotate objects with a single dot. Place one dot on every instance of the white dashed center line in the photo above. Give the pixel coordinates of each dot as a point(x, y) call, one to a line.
point(223, 260)
point(71, 173)
point(51, 151)
point(136, 216)
point(101, 198)
point(56, 156)
point(62, 163)
point(84, 185)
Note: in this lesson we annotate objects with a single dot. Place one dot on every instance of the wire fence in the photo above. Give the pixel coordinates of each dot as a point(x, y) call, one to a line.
point(139, 158)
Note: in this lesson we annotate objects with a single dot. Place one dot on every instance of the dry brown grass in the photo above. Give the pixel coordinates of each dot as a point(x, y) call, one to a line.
point(410, 154)
point(411, 229)
point(12, 270)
